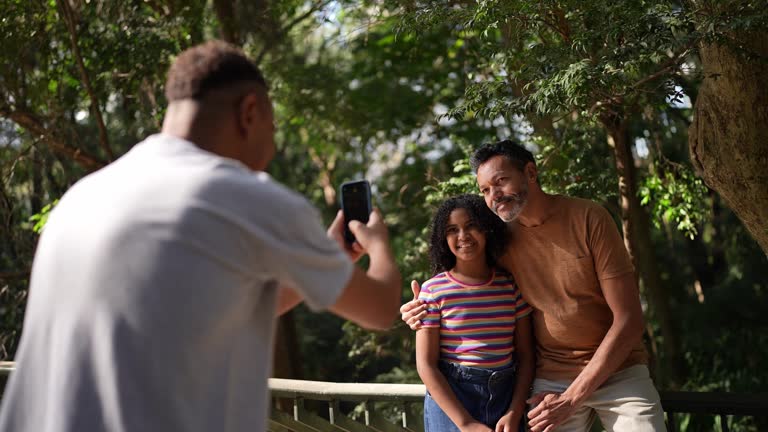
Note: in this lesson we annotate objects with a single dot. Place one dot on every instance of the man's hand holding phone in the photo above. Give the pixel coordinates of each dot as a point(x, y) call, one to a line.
point(371, 296)
point(368, 236)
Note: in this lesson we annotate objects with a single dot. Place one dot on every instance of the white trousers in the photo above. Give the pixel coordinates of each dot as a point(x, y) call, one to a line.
point(626, 402)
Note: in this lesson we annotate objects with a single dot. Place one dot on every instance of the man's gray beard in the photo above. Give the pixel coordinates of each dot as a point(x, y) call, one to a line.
point(511, 215)
point(517, 203)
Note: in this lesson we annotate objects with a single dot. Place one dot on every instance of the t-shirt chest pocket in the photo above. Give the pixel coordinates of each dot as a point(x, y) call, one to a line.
point(580, 273)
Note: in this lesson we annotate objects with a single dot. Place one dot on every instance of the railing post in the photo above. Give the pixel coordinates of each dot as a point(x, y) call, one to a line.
point(298, 404)
point(367, 413)
point(723, 422)
point(415, 422)
point(403, 415)
point(671, 421)
point(333, 408)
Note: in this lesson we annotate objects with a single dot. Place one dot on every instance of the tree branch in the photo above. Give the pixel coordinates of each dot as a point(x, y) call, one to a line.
point(291, 24)
point(562, 24)
point(326, 170)
point(149, 93)
point(70, 21)
point(665, 68)
point(559, 17)
point(14, 275)
point(35, 126)
point(671, 63)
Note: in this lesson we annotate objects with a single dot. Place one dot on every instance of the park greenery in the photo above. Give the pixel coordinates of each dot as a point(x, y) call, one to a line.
point(654, 108)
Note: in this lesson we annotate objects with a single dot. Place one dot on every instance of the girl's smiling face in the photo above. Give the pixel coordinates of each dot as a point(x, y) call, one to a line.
point(464, 236)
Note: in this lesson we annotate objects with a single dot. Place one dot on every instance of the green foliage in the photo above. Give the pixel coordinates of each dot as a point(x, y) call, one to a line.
point(560, 56)
point(39, 220)
point(578, 164)
point(678, 197)
point(462, 181)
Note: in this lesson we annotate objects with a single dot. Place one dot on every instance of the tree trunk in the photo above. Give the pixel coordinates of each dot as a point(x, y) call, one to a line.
point(707, 259)
point(637, 239)
point(287, 362)
point(228, 25)
point(36, 166)
point(69, 19)
point(728, 139)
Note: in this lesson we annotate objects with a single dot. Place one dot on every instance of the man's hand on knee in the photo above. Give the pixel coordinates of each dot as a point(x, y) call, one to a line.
point(549, 410)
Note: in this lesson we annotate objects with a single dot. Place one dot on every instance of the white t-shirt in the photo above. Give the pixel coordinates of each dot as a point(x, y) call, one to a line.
point(153, 291)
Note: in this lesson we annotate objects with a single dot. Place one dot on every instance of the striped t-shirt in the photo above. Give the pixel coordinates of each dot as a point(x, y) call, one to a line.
point(476, 322)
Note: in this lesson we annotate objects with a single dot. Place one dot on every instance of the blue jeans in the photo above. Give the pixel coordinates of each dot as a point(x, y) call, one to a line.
point(485, 393)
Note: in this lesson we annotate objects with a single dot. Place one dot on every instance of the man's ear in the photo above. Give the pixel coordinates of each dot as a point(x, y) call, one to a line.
point(248, 111)
point(531, 172)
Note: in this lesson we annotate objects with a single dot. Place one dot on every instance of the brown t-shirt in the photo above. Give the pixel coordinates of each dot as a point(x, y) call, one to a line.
point(558, 266)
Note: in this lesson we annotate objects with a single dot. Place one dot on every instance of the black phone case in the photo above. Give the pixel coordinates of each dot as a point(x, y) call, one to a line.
point(355, 204)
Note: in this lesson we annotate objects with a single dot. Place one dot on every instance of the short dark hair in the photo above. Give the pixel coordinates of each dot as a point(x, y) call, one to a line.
point(513, 151)
point(209, 66)
point(440, 255)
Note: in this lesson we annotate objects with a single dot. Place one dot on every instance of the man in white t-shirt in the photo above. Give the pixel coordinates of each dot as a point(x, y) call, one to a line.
point(157, 280)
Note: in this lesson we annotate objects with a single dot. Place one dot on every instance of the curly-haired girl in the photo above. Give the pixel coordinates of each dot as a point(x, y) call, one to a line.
point(474, 351)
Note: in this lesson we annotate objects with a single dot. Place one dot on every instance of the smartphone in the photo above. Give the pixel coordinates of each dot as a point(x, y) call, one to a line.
point(355, 204)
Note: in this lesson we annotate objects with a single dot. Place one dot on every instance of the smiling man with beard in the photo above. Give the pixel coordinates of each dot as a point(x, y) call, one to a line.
point(571, 266)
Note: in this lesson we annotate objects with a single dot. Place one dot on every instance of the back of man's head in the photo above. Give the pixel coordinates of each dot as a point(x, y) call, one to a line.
point(210, 66)
point(511, 150)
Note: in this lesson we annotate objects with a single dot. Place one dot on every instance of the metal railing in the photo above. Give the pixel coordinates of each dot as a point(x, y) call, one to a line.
point(406, 399)
point(397, 407)
point(720, 404)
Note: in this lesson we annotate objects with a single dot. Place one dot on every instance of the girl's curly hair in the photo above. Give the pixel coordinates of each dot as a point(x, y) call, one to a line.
point(440, 255)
